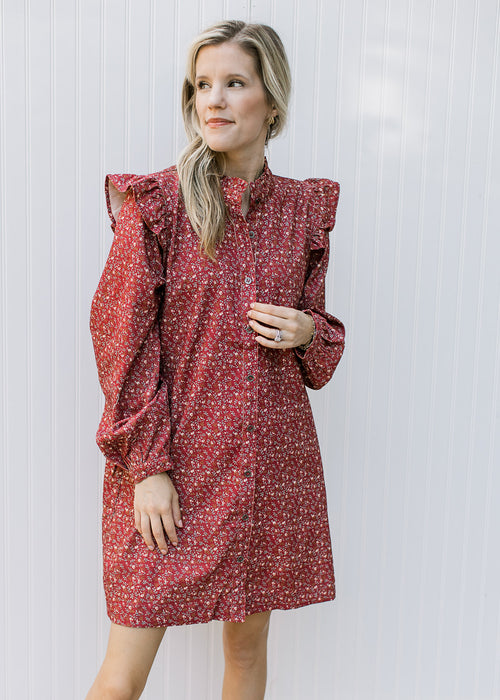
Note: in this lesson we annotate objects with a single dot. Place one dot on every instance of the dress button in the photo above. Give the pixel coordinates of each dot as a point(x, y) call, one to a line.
point(251, 234)
point(249, 329)
point(248, 280)
point(250, 377)
point(250, 428)
point(240, 557)
point(244, 516)
point(247, 472)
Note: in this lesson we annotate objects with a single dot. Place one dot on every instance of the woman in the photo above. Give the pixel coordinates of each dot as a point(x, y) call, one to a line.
point(208, 323)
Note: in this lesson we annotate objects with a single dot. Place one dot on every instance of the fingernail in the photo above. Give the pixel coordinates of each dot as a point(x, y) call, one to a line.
point(175, 544)
point(163, 551)
point(180, 523)
point(150, 547)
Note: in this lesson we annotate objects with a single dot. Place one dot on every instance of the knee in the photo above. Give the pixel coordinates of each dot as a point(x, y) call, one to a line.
point(112, 688)
point(243, 649)
point(241, 654)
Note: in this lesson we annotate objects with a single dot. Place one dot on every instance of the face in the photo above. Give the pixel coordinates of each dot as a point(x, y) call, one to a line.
point(231, 102)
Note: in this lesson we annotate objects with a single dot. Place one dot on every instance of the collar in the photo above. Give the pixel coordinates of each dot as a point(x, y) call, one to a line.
point(260, 189)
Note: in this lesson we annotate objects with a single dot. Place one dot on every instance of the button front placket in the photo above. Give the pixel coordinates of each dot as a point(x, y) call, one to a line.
point(249, 379)
point(243, 235)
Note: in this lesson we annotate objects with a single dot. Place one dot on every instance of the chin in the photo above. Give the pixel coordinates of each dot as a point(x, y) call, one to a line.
point(218, 146)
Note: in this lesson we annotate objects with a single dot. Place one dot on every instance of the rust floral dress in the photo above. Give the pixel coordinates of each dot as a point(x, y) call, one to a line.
point(188, 390)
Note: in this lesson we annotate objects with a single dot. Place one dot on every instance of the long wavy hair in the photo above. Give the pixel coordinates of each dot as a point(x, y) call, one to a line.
point(199, 167)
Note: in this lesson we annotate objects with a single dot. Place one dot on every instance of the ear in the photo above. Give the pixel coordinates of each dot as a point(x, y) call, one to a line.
point(271, 116)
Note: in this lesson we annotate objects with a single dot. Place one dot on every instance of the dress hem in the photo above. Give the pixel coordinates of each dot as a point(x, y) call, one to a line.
point(222, 618)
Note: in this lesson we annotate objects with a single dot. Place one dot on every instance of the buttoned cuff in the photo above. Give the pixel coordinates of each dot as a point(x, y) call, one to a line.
point(138, 472)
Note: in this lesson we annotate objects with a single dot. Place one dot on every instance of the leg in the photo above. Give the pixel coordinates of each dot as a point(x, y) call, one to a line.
point(129, 657)
point(245, 651)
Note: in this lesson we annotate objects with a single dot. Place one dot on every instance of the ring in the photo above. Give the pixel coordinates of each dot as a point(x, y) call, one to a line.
point(277, 337)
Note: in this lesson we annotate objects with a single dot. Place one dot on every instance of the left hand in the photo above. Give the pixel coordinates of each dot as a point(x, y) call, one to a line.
point(296, 326)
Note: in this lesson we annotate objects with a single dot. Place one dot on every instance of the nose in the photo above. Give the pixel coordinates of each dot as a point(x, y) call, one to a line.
point(216, 98)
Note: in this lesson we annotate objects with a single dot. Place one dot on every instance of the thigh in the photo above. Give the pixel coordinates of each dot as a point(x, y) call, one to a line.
point(131, 650)
point(129, 657)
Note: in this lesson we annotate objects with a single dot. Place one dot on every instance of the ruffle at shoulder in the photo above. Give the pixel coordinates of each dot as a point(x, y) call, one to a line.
point(323, 199)
point(155, 202)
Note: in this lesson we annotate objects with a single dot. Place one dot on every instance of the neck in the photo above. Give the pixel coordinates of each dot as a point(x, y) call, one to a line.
point(248, 170)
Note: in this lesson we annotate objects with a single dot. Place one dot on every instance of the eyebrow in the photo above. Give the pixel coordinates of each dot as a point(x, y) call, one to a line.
point(228, 77)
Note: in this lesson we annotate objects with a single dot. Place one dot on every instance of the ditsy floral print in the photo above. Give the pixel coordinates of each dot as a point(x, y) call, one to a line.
point(189, 390)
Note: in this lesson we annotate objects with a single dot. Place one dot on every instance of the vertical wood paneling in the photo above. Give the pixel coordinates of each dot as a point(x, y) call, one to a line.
point(400, 103)
point(14, 381)
point(80, 332)
point(90, 257)
point(29, 346)
point(486, 656)
point(40, 321)
point(49, 499)
point(4, 580)
point(65, 321)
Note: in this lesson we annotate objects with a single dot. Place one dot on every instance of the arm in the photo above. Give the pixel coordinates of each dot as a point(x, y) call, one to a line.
point(320, 359)
point(134, 429)
point(316, 336)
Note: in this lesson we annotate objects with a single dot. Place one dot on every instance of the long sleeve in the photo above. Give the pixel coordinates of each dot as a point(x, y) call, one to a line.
point(134, 430)
point(321, 358)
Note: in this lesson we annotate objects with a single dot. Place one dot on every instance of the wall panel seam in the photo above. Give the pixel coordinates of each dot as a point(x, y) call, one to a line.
point(127, 92)
point(378, 224)
point(496, 376)
point(28, 319)
point(456, 377)
point(492, 467)
point(434, 371)
point(53, 358)
point(151, 84)
point(360, 559)
point(6, 606)
point(78, 340)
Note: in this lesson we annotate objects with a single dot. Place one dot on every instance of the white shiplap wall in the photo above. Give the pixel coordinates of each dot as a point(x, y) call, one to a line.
point(399, 101)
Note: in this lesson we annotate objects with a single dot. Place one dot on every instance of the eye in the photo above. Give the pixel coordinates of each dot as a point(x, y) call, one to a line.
point(236, 83)
point(201, 85)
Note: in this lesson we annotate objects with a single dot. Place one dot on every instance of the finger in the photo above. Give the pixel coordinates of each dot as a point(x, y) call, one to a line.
point(158, 533)
point(169, 526)
point(282, 345)
point(263, 330)
point(146, 531)
point(137, 520)
point(268, 319)
point(176, 511)
point(272, 309)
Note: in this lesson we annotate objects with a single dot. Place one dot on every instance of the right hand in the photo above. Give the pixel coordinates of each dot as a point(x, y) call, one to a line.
point(157, 511)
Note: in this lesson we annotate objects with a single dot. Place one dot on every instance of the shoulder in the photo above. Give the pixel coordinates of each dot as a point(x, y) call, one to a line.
point(155, 196)
point(320, 195)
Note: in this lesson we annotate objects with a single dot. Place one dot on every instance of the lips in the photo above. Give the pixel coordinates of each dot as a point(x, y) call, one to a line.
point(218, 122)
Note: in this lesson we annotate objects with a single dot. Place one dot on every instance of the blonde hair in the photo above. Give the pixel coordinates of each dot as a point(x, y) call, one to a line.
point(199, 167)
